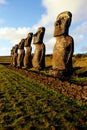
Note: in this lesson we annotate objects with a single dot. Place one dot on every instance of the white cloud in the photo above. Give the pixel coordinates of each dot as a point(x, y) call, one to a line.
point(50, 45)
point(79, 33)
point(81, 28)
point(4, 51)
point(3, 2)
point(78, 39)
point(14, 35)
point(78, 9)
point(84, 49)
point(53, 8)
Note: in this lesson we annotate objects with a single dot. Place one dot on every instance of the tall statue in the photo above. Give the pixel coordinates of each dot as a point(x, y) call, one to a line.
point(38, 60)
point(15, 55)
point(64, 46)
point(21, 54)
point(27, 57)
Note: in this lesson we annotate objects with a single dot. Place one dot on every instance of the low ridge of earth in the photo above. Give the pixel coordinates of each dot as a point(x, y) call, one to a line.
point(76, 91)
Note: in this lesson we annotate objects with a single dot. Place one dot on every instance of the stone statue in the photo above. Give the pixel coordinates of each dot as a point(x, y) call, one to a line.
point(21, 53)
point(15, 55)
point(64, 46)
point(27, 57)
point(38, 60)
point(12, 54)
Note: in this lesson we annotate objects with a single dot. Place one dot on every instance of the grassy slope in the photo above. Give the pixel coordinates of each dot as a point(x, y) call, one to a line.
point(27, 105)
point(80, 68)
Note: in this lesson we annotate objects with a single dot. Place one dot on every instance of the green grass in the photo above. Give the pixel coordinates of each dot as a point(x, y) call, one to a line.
point(27, 105)
point(5, 59)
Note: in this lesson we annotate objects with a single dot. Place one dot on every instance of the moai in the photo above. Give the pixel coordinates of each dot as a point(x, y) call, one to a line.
point(21, 54)
point(12, 54)
point(38, 60)
point(64, 46)
point(27, 57)
point(15, 55)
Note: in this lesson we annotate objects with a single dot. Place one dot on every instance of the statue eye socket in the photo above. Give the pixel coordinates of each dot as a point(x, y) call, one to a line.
point(61, 18)
point(56, 23)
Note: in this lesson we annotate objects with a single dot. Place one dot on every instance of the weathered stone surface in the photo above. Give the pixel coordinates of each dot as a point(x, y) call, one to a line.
point(21, 53)
point(15, 55)
point(27, 57)
point(12, 54)
point(64, 46)
point(38, 60)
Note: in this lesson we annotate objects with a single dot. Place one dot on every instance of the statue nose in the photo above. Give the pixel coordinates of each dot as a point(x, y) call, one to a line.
point(59, 21)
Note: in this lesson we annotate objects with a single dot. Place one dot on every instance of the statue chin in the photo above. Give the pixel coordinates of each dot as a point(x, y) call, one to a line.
point(58, 32)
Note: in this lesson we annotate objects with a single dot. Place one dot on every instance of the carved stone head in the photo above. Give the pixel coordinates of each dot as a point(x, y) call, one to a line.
point(62, 23)
point(28, 39)
point(21, 44)
point(12, 50)
point(38, 36)
point(16, 48)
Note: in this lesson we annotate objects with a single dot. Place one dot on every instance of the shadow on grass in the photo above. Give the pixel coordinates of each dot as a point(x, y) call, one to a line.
point(80, 71)
point(4, 63)
point(84, 74)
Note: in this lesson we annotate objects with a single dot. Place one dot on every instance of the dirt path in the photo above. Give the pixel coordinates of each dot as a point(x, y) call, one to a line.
point(77, 92)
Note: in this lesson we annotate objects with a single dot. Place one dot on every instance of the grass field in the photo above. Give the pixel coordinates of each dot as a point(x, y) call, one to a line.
point(26, 105)
point(5, 59)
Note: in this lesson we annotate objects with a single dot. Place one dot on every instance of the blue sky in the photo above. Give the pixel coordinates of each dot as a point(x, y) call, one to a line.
point(19, 17)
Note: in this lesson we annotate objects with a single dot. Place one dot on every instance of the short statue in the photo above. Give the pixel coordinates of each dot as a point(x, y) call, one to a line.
point(21, 54)
point(27, 57)
point(64, 46)
point(38, 60)
point(15, 55)
point(12, 54)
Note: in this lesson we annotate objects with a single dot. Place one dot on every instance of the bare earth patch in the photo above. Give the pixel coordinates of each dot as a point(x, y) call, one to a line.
point(77, 91)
